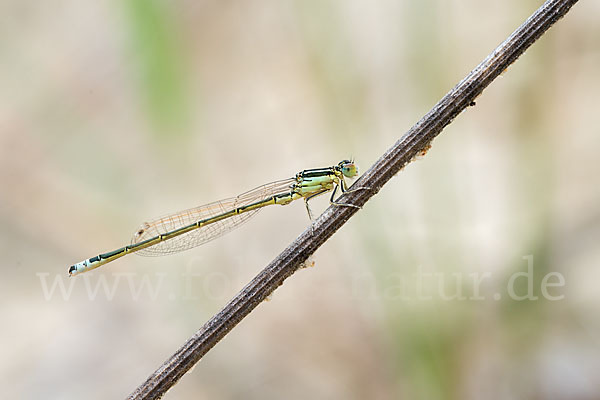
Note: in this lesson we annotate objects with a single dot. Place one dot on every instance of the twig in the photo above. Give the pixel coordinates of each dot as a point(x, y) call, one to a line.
point(416, 140)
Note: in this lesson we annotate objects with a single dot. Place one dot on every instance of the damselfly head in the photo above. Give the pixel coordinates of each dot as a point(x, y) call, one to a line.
point(348, 168)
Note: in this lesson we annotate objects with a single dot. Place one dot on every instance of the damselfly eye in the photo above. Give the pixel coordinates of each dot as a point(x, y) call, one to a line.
point(348, 168)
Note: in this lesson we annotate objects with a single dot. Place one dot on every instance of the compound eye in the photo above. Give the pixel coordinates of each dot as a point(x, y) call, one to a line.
point(349, 170)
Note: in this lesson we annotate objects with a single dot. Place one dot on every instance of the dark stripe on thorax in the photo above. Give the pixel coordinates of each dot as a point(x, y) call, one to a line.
point(317, 172)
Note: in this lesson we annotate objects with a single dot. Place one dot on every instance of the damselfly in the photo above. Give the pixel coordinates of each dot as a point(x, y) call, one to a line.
point(190, 228)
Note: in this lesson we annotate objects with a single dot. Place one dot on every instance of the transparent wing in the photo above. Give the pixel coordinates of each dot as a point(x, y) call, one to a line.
point(208, 232)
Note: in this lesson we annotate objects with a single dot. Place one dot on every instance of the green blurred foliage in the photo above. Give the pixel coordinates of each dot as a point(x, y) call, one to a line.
point(157, 45)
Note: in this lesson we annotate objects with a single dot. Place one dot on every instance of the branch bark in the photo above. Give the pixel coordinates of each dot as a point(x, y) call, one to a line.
point(417, 140)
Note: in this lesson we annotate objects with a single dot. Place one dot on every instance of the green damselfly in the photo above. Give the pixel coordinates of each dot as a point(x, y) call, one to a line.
point(190, 228)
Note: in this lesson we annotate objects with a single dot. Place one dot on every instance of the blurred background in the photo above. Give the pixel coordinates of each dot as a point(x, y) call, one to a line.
point(472, 274)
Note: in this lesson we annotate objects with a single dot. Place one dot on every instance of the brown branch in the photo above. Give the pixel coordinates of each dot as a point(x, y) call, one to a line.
point(416, 140)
